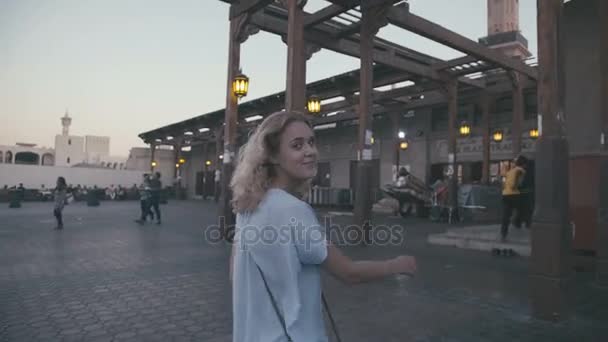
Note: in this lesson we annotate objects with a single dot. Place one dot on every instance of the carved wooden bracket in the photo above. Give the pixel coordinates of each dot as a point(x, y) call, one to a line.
point(244, 29)
point(377, 16)
point(310, 49)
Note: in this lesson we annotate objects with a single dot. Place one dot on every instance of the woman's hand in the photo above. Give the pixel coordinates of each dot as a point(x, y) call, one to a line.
point(403, 264)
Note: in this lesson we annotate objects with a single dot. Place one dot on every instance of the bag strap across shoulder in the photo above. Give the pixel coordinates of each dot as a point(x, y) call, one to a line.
point(282, 320)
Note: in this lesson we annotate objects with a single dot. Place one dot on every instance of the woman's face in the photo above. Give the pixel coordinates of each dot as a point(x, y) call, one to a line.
point(297, 156)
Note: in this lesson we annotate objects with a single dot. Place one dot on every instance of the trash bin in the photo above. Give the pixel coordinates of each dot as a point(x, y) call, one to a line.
point(14, 198)
point(164, 196)
point(92, 199)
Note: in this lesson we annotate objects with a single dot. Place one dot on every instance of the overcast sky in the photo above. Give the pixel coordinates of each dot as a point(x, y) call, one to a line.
point(122, 67)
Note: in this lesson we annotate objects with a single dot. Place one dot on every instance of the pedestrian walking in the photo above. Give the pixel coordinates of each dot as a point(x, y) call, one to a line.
point(511, 200)
point(276, 281)
point(155, 191)
point(60, 199)
point(145, 200)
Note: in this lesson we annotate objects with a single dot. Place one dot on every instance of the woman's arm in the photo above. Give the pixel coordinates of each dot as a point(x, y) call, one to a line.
point(354, 272)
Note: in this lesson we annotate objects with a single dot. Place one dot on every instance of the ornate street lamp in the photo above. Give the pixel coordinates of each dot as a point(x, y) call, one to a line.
point(465, 129)
point(240, 85)
point(404, 145)
point(314, 105)
point(497, 136)
point(534, 134)
point(182, 160)
point(153, 163)
point(208, 162)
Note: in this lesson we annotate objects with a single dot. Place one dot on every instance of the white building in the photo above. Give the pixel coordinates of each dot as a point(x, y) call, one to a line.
point(97, 149)
point(70, 150)
point(28, 154)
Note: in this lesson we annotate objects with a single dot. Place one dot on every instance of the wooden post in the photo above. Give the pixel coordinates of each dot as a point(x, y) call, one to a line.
point(152, 156)
point(452, 95)
point(551, 231)
point(485, 115)
point(295, 91)
point(396, 141)
point(602, 242)
point(225, 216)
point(363, 200)
point(177, 152)
point(518, 112)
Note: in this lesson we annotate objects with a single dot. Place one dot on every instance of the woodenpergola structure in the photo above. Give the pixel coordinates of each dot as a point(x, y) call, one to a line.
point(383, 62)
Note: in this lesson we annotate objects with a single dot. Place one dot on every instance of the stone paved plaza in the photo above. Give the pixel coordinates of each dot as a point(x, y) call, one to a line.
point(105, 278)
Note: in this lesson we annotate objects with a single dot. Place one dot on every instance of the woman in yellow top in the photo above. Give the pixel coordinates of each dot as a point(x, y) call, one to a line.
point(511, 198)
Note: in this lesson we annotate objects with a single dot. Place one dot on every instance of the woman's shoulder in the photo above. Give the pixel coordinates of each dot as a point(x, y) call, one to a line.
point(278, 203)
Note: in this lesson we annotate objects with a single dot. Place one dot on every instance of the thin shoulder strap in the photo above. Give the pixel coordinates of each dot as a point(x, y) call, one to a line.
point(282, 320)
point(274, 304)
point(331, 318)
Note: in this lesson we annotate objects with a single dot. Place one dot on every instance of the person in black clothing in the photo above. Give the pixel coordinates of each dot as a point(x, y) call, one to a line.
point(155, 189)
point(526, 190)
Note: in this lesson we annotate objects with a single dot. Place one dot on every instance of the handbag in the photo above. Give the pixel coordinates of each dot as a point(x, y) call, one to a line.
point(282, 320)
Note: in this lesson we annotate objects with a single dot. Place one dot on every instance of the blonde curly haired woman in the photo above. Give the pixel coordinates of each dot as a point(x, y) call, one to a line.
point(279, 247)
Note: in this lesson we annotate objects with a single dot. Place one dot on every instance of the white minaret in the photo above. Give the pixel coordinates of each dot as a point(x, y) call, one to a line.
point(503, 29)
point(66, 121)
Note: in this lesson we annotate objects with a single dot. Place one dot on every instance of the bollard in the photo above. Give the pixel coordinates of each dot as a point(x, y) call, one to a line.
point(14, 199)
point(92, 200)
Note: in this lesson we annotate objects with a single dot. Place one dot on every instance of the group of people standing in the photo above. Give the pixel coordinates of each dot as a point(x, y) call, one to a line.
point(149, 197)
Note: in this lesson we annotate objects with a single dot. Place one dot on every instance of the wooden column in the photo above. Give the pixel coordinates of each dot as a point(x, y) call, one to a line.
point(219, 144)
point(602, 243)
point(484, 103)
point(518, 112)
point(177, 153)
point(295, 91)
point(363, 199)
point(152, 155)
point(551, 231)
point(225, 216)
point(395, 116)
point(452, 97)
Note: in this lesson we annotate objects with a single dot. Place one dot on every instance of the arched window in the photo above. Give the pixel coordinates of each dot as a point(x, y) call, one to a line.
point(8, 158)
point(68, 160)
point(27, 158)
point(114, 166)
point(1, 157)
point(48, 159)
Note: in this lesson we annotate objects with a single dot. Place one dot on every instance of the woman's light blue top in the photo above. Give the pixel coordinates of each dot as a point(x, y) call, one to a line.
point(285, 239)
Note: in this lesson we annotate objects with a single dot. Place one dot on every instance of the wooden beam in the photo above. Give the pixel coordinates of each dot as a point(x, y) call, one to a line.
point(325, 14)
point(247, 6)
point(401, 17)
point(350, 30)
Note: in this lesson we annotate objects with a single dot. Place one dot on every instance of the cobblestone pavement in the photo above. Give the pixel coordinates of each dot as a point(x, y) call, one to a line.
point(105, 278)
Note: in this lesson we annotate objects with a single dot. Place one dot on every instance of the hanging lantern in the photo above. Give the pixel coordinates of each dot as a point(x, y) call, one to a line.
point(177, 165)
point(314, 105)
point(208, 162)
point(404, 145)
point(240, 85)
point(465, 129)
point(497, 136)
point(534, 134)
point(153, 163)
point(182, 160)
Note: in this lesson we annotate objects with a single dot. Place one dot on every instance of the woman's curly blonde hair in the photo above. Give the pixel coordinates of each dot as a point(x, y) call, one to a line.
point(254, 171)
